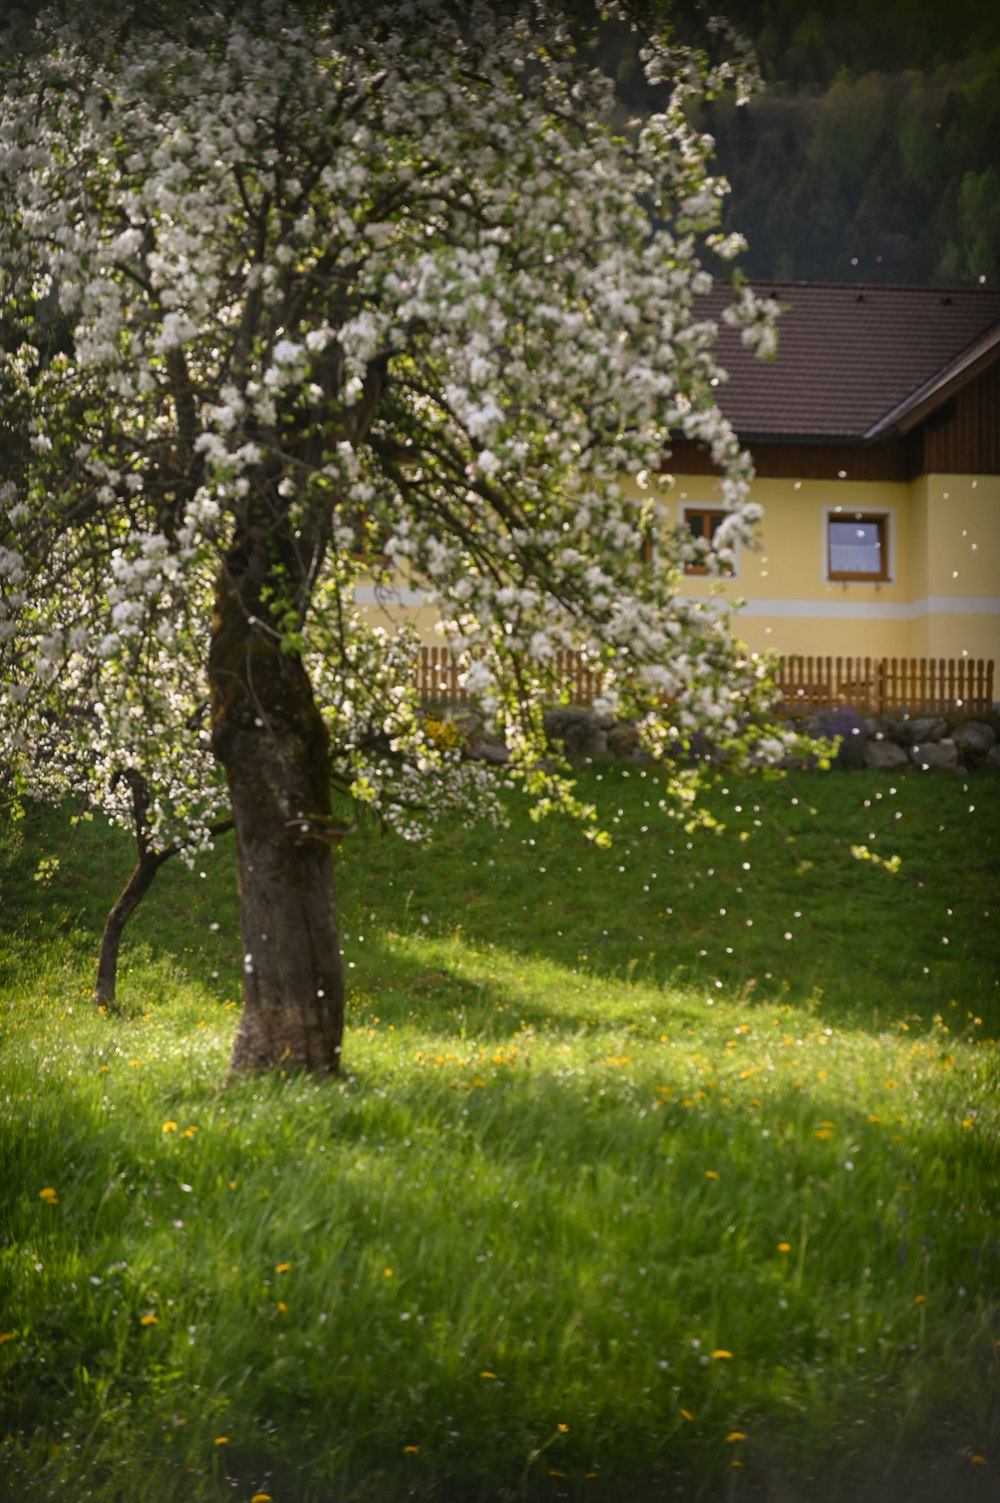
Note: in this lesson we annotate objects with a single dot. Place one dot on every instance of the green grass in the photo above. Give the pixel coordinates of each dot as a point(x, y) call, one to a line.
point(604, 1118)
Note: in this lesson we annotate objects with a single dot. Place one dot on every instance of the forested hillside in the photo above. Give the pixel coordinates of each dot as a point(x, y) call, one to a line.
point(874, 153)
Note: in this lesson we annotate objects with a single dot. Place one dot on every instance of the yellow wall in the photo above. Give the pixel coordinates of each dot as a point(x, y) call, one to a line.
point(963, 565)
point(390, 608)
point(942, 597)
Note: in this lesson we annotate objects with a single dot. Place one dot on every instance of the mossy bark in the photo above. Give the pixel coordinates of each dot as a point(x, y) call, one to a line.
point(271, 741)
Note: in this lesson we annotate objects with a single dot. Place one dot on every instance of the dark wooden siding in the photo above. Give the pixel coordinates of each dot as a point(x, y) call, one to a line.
point(893, 459)
point(963, 437)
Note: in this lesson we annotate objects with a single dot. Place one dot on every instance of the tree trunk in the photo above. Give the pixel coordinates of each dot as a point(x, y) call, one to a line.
point(271, 741)
point(122, 910)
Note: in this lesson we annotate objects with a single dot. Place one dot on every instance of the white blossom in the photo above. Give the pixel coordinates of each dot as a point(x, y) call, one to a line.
point(427, 315)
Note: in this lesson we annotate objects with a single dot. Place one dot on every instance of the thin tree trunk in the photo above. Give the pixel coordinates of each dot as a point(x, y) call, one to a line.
point(121, 911)
point(148, 862)
point(271, 741)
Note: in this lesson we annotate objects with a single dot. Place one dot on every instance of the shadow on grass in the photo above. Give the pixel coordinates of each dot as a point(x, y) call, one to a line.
point(775, 908)
point(564, 1246)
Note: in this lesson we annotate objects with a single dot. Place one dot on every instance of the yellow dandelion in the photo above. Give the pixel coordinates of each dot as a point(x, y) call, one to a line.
point(822, 1132)
point(736, 1463)
point(589, 1476)
point(736, 1435)
point(411, 1450)
point(282, 1307)
point(387, 1273)
point(169, 1126)
point(686, 1414)
point(487, 1374)
point(563, 1429)
point(149, 1320)
point(721, 1355)
point(282, 1267)
point(920, 1299)
point(554, 1473)
point(261, 1498)
point(6, 1336)
point(784, 1247)
point(710, 1174)
point(221, 1440)
point(978, 1460)
point(49, 1196)
point(189, 1132)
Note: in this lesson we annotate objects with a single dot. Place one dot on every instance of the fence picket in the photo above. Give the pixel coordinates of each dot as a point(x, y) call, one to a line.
point(918, 685)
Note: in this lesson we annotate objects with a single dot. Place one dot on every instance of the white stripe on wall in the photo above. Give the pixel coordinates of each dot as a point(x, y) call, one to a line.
point(366, 594)
point(876, 610)
point(842, 610)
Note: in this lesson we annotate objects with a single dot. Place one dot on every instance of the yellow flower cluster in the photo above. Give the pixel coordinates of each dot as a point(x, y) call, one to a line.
point(444, 734)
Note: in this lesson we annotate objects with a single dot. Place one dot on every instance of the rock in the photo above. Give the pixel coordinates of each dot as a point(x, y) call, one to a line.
point(886, 728)
point(488, 748)
point(853, 748)
point(578, 731)
point(623, 741)
point(940, 754)
point(975, 740)
point(885, 754)
point(923, 731)
point(992, 758)
point(852, 731)
point(467, 722)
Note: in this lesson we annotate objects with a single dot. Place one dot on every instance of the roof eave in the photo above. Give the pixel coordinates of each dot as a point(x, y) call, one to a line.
point(906, 415)
point(751, 436)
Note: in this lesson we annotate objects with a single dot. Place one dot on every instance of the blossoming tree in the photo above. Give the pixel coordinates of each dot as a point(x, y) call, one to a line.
point(328, 299)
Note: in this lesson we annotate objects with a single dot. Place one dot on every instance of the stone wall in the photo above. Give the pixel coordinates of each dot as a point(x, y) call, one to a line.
point(890, 741)
point(951, 745)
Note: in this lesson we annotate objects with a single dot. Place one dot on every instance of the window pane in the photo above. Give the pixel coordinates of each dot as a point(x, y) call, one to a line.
point(704, 524)
point(856, 547)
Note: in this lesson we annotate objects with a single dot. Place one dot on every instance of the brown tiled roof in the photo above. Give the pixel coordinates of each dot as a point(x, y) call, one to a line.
point(854, 362)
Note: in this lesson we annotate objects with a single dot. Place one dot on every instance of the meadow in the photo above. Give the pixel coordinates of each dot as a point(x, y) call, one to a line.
point(666, 1171)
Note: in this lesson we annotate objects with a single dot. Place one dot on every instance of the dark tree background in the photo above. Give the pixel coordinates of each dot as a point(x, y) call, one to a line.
point(874, 154)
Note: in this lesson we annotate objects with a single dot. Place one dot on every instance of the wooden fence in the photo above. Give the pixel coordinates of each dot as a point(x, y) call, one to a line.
point(926, 686)
point(437, 677)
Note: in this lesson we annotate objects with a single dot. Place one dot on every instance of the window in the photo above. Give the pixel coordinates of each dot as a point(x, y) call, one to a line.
point(857, 546)
point(704, 523)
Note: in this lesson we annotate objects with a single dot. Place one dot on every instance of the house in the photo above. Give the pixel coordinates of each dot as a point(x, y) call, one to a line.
point(875, 435)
